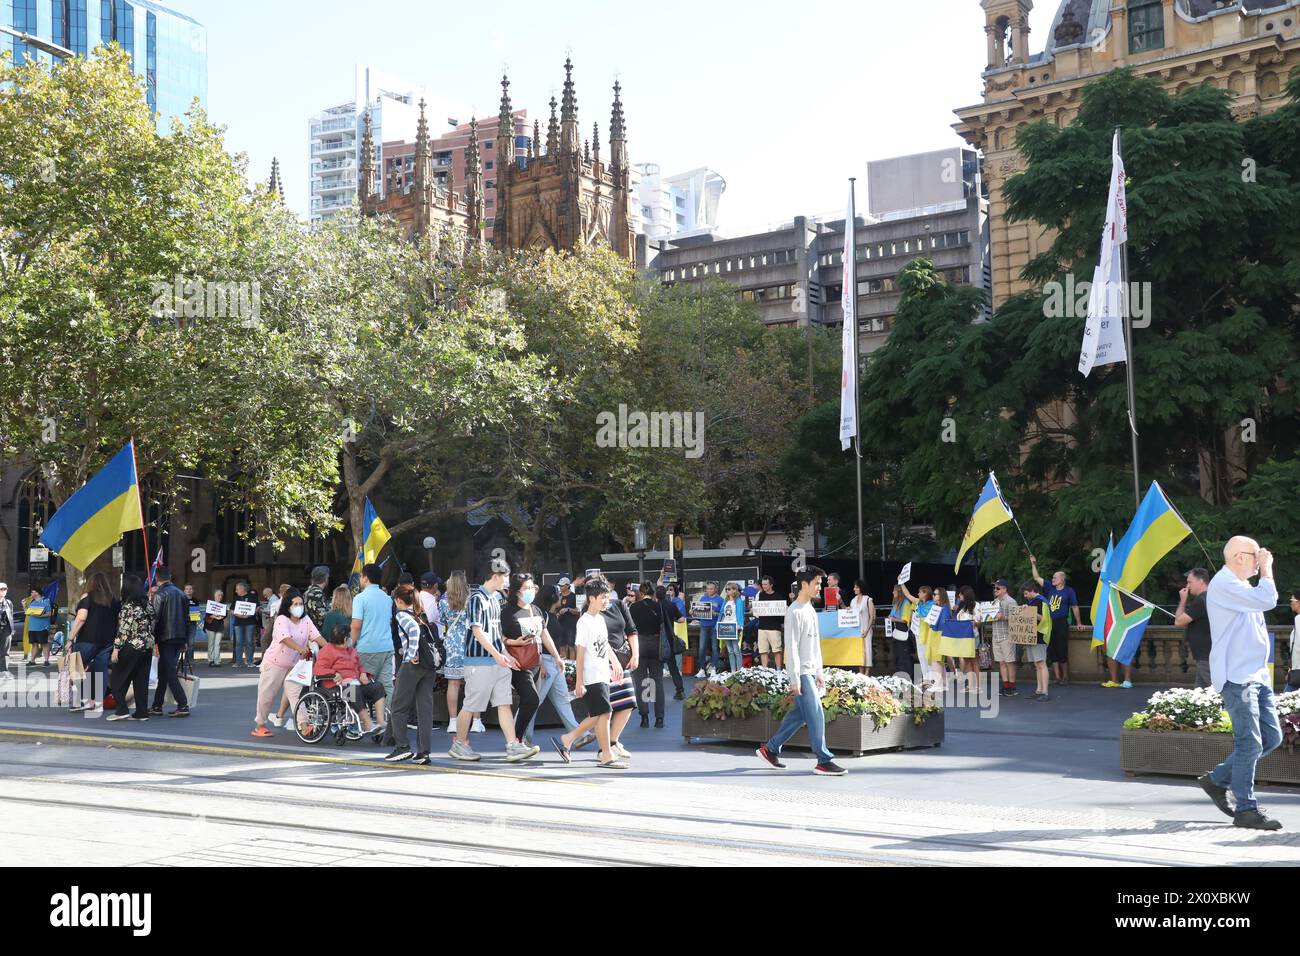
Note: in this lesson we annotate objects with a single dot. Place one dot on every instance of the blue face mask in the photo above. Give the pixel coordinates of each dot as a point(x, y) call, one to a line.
point(528, 595)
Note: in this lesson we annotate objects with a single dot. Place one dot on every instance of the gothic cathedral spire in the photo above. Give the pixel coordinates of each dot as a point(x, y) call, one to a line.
point(552, 134)
point(505, 166)
point(474, 184)
point(568, 113)
point(366, 180)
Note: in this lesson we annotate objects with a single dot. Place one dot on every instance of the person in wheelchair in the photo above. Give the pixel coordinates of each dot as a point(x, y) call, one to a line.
point(337, 665)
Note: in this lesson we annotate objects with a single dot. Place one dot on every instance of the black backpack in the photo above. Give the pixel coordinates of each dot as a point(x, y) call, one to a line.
point(433, 652)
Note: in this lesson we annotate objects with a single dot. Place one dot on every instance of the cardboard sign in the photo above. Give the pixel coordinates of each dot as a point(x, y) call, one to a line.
point(849, 618)
point(952, 598)
point(986, 610)
point(728, 632)
point(702, 609)
point(1022, 626)
point(905, 575)
point(773, 608)
point(933, 617)
point(245, 609)
point(582, 602)
point(216, 609)
point(591, 572)
point(831, 598)
point(670, 570)
point(119, 556)
point(195, 613)
point(39, 556)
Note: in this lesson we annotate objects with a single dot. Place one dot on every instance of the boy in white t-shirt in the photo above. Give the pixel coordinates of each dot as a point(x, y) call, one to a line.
point(597, 668)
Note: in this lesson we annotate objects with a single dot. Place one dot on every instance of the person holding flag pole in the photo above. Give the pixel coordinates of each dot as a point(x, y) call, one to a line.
point(991, 510)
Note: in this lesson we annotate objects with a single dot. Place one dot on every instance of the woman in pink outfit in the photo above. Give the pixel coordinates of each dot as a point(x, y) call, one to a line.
point(291, 637)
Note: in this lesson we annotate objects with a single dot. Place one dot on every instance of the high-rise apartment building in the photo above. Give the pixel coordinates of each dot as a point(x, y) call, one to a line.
point(677, 206)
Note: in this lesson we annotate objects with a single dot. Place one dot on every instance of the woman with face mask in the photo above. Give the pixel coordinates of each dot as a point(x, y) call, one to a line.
point(523, 628)
point(291, 635)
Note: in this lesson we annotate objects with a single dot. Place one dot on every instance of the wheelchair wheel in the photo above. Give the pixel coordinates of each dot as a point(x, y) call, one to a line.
point(311, 717)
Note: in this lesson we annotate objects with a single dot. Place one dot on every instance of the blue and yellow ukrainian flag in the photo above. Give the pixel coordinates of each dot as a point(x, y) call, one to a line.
point(373, 538)
point(990, 511)
point(94, 518)
point(1101, 598)
point(1156, 530)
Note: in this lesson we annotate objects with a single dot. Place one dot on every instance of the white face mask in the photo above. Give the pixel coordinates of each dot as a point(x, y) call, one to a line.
point(297, 611)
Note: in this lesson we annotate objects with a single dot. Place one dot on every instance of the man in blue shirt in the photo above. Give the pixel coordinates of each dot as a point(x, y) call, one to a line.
point(372, 628)
point(38, 613)
point(709, 628)
point(1060, 598)
point(1239, 671)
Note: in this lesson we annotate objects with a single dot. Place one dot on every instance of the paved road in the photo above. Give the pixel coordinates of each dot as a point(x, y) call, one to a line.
point(1038, 784)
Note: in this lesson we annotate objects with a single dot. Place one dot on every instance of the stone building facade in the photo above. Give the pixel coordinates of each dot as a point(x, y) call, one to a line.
point(1246, 47)
point(555, 199)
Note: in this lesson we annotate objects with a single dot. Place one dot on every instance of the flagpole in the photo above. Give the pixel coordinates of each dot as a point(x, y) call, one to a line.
point(1128, 347)
point(857, 437)
point(144, 532)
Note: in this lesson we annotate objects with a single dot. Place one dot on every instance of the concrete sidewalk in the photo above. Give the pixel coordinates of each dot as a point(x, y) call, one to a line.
point(1037, 773)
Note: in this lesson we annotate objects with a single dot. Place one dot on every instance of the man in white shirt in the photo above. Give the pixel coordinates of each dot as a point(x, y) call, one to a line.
point(803, 667)
point(1239, 672)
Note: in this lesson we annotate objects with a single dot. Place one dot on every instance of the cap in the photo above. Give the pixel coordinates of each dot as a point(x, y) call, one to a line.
point(428, 579)
point(1002, 583)
point(564, 581)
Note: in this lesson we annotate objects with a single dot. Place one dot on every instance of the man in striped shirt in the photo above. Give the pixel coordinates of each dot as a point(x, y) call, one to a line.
point(487, 671)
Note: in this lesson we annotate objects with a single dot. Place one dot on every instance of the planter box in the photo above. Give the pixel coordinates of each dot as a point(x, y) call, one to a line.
point(749, 729)
point(929, 734)
point(854, 735)
point(1185, 753)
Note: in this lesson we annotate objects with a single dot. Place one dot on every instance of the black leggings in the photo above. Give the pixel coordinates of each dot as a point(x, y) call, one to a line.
point(131, 670)
point(526, 687)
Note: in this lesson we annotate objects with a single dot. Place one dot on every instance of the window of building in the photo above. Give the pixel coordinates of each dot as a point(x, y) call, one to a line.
point(233, 525)
point(151, 60)
point(488, 144)
point(523, 142)
point(488, 164)
point(24, 22)
point(77, 27)
point(490, 184)
point(1146, 25)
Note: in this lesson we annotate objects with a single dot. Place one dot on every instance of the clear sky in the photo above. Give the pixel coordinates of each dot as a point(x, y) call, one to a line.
point(784, 100)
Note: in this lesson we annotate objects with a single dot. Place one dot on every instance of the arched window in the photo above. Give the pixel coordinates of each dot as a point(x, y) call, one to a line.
point(1146, 25)
point(34, 510)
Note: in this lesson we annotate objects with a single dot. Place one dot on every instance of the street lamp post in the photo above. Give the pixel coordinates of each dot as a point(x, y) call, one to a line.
point(429, 544)
point(45, 46)
point(638, 542)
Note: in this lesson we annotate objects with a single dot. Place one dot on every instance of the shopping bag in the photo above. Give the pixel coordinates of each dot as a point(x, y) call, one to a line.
point(301, 673)
point(679, 635)
point(190, 684)
point(153, 672)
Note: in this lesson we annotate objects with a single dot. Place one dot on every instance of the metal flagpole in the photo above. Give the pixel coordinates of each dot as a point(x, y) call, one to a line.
point(1128, 348)
point(857, 405)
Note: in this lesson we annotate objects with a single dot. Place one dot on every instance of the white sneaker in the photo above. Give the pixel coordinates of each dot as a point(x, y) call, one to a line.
point(620, 751)
point(288, 724)
point(275, 720)
point(478, 727)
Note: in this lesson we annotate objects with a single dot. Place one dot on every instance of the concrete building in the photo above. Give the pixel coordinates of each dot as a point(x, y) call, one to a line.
point(676, 206)
point(1245, 47)
point(168, 50)
point(794, 273)
point(393, 107)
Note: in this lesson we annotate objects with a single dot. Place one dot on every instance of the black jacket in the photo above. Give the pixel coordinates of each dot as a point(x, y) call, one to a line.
point(649, 621)
point(171, 614)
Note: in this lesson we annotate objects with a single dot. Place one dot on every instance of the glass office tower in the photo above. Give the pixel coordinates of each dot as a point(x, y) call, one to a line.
point(169, 51)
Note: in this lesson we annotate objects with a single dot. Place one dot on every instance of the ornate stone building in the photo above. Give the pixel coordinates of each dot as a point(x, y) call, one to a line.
point(1247, 47)
point(553, 200)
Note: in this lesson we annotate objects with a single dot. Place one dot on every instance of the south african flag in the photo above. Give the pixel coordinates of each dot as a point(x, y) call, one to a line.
point(1126, 621)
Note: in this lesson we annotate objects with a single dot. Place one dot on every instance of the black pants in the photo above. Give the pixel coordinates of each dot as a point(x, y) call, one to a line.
point(905, 656)
point(131, 671)
point(1058, 652)
point(649, 681)
point(675, 673)
point(169, 655)
point(413, 691)
point(526, 687)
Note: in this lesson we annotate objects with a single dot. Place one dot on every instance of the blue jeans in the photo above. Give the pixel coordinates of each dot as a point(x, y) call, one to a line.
point(95, 660)
point(552, 686)
point(1256, 733)
point(735, 659)
point(807, 711)
point(243, 637)
point(708, 648)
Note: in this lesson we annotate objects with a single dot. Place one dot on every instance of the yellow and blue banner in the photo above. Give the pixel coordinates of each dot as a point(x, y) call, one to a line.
point(1156, 530)
point(1100, 599)
point(373, 538)
point(94, 518)
point(990, 511)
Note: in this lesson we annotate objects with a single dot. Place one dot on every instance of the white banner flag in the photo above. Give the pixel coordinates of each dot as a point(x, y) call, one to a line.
point(848, 360)
point(1103, 336)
